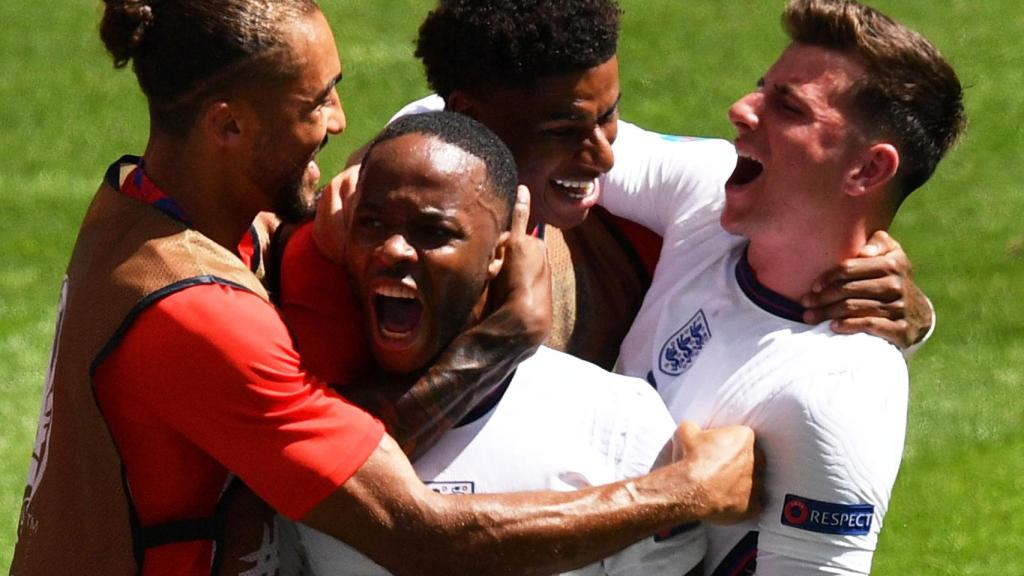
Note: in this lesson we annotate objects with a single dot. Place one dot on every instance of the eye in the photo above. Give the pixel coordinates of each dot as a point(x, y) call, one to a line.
point(610, 117)
point(431, 236)
point(559, 133)
point(368, 223)
point(327, 102)
point(787, 105)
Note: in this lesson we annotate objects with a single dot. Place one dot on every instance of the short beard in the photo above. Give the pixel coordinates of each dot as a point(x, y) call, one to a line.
point(291, 200)
point(293, 203)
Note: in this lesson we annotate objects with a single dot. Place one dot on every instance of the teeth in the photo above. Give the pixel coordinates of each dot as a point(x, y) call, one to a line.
point(396, 291)
point(751, 158)
point(579, 189)
point(584, 185)
point(393, 335)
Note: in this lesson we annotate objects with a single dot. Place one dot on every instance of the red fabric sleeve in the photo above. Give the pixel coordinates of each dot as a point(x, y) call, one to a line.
point(207, 378)
point(318, 304)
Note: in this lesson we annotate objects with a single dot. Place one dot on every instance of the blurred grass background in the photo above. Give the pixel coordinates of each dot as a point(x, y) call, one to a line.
point(65, 114)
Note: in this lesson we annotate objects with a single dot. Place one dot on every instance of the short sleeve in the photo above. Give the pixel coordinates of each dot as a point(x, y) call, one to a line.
point(318, 304)
point(658, 180)
point(833, 442)
point(430, 103)
point(216, 366)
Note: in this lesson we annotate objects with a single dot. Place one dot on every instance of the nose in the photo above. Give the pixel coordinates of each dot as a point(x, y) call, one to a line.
point(396, 250)
point(596, 149)
point(336, 120)
point(744, 113)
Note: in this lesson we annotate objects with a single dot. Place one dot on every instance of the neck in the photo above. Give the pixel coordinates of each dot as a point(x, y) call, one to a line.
point(790, 265)
point(192, 176)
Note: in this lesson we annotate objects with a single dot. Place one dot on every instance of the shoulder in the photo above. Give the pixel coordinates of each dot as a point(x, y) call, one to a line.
point(430, 103)
point(839, 418)
point(832, 373)
point(214, 317)
point(833, 440)
point(709, 155)
point(589, 392)
point(659, 178)
point(565, 373)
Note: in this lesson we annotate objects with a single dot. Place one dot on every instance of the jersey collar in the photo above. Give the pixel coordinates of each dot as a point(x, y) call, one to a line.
point(137, 186)
point(763, 297)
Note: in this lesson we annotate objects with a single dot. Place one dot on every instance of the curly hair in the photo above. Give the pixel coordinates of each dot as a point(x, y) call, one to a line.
point(477, 43)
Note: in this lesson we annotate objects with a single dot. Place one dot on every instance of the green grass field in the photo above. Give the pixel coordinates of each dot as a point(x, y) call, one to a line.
point(65, 113)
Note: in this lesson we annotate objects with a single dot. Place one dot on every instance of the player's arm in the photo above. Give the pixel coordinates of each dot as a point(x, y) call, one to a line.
point(873, 293)
point(387, 513)
point(236, 392)
point(478, 360)
point(834, 445)
point(660, 181)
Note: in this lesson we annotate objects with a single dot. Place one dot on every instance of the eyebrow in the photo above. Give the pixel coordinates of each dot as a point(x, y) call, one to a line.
point(330, 86)
point(780, 89)
point(576, 117)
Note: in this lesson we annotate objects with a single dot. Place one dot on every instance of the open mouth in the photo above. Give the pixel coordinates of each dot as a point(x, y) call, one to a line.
point(747, 170)
point(398, 311)
point(575, 190)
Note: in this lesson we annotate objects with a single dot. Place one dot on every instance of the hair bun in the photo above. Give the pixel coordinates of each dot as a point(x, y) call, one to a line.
point(124, 27)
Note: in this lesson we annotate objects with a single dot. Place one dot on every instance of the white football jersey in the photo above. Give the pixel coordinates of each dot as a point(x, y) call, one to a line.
point(844, 470)
point(829, 410)
point(562, 424)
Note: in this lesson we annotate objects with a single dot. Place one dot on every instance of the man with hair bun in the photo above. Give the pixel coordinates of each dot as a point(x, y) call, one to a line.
point(854, 115)
point(172, 374)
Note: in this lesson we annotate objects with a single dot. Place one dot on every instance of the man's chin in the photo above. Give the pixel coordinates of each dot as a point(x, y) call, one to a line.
point(296, 203)
point(564, 213)
point(396, 362)
point(566, 219)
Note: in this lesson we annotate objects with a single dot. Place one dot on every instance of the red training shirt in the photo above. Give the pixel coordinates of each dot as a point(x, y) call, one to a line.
point(207, 380)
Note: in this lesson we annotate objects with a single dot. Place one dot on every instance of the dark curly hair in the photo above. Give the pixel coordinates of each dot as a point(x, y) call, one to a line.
point(470, 43)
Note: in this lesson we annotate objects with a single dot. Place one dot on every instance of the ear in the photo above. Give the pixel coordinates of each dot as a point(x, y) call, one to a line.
point(226, 123)
point(461, 102)
point(498, 256)
point(875, 171)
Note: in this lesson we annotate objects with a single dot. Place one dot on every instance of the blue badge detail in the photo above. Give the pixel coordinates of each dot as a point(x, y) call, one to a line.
point(674, 138)
point(826, 517)
point(651, 380)
point(451, 488)
point(682, 347)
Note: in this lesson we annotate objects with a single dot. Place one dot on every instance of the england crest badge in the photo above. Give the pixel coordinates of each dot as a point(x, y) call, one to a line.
point(679, 352)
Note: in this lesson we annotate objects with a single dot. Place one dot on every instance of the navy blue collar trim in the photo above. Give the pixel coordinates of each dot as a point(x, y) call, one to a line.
point(143, 190)
point(487, 404)
point(539, 231)
point(765, 298)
